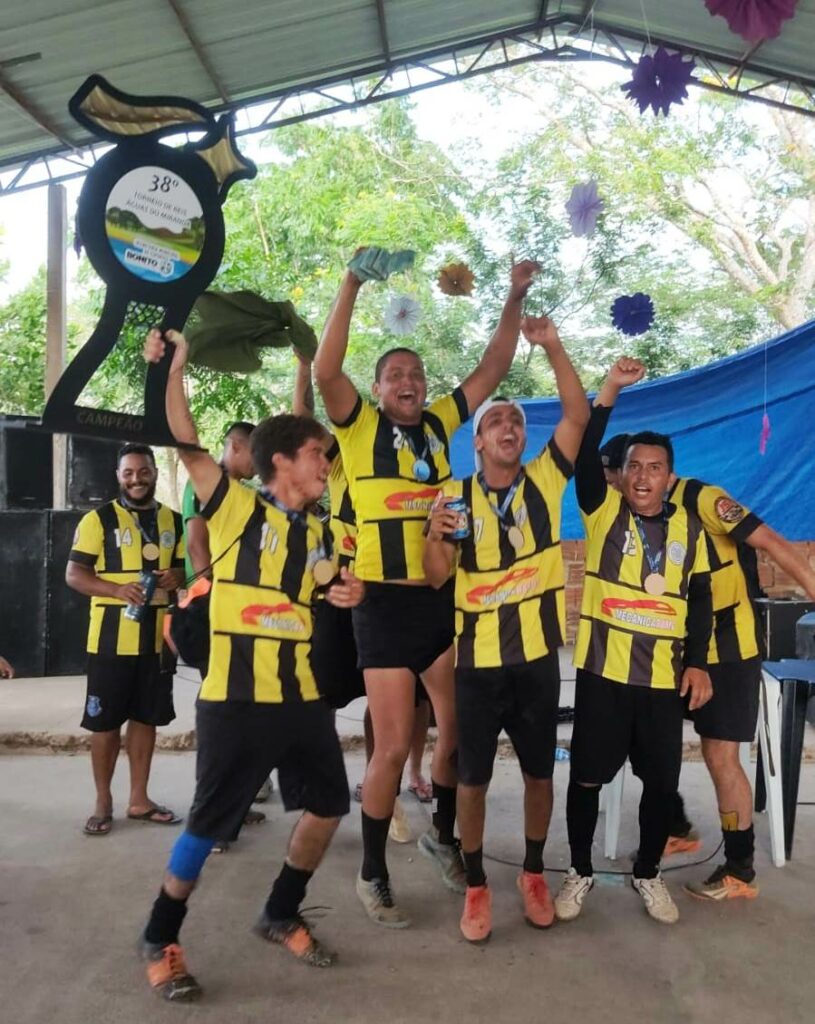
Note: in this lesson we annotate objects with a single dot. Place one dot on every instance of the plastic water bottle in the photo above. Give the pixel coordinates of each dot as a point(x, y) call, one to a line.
point(136, 611)
point(562, 754)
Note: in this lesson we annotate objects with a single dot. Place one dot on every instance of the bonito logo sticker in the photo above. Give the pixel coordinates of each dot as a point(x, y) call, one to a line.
point(412, 501)
point(513, 586)
point(640, 612)
point(281, 617)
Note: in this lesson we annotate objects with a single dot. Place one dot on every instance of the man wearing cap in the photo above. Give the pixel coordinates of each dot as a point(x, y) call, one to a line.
point(396, 456)
point(510, 611)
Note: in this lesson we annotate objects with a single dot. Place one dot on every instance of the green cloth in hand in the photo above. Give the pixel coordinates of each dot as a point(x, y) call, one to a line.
point(374, 264)
point(227, 329)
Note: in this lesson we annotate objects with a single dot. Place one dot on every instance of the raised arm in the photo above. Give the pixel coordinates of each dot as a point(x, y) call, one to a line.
point(763, 538)
point(569, 432)
point(339, 394)
point(302, 401)
point(204, 471)
point(590, 480)
point(499, 353)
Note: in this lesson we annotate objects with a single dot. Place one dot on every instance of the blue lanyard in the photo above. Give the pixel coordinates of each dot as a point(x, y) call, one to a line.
point(653, 561)
point(507, 502)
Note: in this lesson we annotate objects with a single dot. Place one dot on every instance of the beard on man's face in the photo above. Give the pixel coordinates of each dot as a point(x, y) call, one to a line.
point(138, 495)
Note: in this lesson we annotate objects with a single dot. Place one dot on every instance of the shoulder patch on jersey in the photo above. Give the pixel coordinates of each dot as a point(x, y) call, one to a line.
point(728, 510)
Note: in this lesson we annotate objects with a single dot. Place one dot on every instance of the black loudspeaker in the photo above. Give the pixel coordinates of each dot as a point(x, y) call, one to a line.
point(780, 617)
point(23, 632)
point(67, 611)
point(91, 471)
point(26, 462)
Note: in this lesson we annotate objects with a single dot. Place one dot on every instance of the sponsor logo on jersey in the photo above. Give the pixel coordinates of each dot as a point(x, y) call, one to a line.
point(641, 611)
point(412, 501)
point(729, 511)
point(512, 587)
point(282, 617)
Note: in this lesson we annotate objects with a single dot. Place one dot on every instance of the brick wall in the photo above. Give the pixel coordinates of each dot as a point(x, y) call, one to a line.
point(774, 580)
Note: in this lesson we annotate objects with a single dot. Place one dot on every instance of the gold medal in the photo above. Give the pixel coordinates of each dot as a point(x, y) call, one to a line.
point(323, 572)
point(515, 536)
point(655, 584)
point(150, 551)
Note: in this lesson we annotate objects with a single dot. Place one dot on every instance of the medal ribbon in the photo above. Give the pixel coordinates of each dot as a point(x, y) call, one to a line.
point(654, 561)
point(294, 516)
point(408, 440)
point(507, 502)
point(145, 536)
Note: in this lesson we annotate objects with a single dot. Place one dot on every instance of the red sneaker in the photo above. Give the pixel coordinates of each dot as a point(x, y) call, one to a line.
point(539, 907)
point(476, 920)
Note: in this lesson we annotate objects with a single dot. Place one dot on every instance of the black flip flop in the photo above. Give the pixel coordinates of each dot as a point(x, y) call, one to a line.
point(154, 816)
point(96, 825)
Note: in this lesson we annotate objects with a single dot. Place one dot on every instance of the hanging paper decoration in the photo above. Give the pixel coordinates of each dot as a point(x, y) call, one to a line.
point(456, 279)
point(660, 81)
point(584, 207)
point(765, 434)
point(633, 314)
point(753, 20)
point(402, 315)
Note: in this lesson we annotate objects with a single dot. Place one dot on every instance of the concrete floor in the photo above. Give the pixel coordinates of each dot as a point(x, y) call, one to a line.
point(71, 908)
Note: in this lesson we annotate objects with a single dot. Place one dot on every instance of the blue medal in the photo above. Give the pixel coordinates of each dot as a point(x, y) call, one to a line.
point(421, 470)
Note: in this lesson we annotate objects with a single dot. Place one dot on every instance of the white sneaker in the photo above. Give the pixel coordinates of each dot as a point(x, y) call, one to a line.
point(399, 829)
point(658, 901)
point(569, 901)
point(448, 860)
point(377, 898)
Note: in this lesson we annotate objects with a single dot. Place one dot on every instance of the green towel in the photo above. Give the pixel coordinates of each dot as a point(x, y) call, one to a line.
point(374, 264)
point(228, 328)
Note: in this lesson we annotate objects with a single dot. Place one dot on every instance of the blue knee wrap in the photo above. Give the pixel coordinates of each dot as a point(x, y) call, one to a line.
point(188, 856)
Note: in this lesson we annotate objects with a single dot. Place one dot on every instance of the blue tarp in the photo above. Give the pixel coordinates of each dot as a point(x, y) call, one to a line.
point(713, 415)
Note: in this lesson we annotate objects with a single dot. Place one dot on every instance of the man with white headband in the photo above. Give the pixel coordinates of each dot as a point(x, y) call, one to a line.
point(498, 531)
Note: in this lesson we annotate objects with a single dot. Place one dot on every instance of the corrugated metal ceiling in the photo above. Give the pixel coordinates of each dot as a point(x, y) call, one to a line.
point(224, 54)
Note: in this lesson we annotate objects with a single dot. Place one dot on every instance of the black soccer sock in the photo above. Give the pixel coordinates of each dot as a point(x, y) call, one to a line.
point(444, 813)
point(582, 808)
point(679, 826)
point(166, 919)
point(656, 808)
point(287, 893)
point(473, 862)
point(374, 841)
point(739, 847)
point(533, 861)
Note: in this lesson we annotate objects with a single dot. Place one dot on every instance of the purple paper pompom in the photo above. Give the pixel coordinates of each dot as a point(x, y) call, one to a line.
point(584, 207)
point(753, 20)
point(633, 314)
point(660, 81)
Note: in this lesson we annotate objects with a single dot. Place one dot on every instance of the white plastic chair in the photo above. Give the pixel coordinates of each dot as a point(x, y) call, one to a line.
point(769, 738)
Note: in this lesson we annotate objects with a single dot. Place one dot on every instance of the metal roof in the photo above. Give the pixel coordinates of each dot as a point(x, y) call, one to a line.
point(277, 61)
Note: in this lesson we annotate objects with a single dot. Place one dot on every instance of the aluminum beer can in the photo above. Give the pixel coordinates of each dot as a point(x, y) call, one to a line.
point(459, 506)
point(136, 611)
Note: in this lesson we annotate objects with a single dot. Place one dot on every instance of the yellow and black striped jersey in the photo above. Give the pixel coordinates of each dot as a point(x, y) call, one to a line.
point(510, 604)
point(110, 540)
point(260, 602)
point(343, 521)
point(737, 634)
point(626, 634)
point(391, 505)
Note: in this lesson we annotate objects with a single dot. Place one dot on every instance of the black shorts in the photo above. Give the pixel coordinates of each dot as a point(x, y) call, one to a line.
point(334, 656)
point(614, 721)
point(404, 626)
point(127, 687)
point(238, 746)
point(732, 711)
point(523, 700)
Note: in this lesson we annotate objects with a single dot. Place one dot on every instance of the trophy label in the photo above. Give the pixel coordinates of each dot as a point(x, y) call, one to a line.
point(154, 224)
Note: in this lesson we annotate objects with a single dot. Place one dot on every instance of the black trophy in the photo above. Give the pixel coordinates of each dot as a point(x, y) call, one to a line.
point(150, 219)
